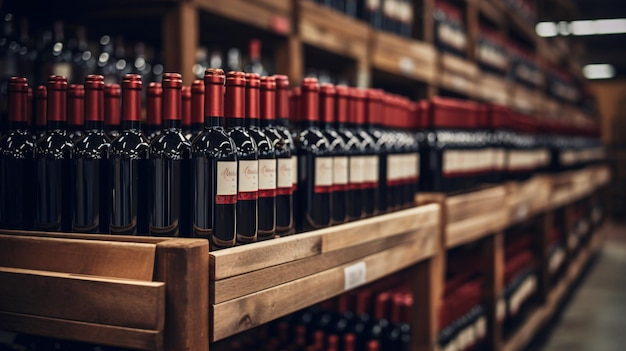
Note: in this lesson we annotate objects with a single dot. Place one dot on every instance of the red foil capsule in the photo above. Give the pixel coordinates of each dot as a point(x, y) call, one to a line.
point(282, 96)
point(253, 84)
point(76, 105)
point(357, 106)
point(374, 106)
point(172, 85)
point(131, 101)
point(309, 105)
point(154, 102)
point(112, 93)
point(197, 102)
point(29, 106)
point(214, 92)
point(41, 106)
point(342, 95)
point(235, 95)
point(18, 95)
point(268, 98)
point(57, 100)
point(94, 98)
point(327, 103)
point(185, 94)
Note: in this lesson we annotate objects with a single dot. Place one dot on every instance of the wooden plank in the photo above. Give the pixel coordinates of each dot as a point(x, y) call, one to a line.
point(475, 203)
point(492, 88)
point(101, 237)
point(269, 15)
point(246, 312)
point(404, 57)
point(183, 264)
point(457, 82)
point(493, 280)
point(248, 258)
point(81, 331)
point(459, 65)
point(475, 228)
point(426, 287)
point(180, 37)
point(103, 258)
point(125, 303)
point(245, 284)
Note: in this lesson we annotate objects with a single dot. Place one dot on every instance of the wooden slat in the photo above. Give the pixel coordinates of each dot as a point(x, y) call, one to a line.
point(183, 264)
point(461, 66)
point(493, 280)
point(245, 284)
point(475, 203)
point(98, 300)
point(81, 331)
point(248, 258)
point(472, 229)
point(259, 13)
point(103, 258)
point(101, 237)
point(426, 287)
point(457, 82)
point(246, 312)
point(492, 88)
point(180, 32)
point(404, 57)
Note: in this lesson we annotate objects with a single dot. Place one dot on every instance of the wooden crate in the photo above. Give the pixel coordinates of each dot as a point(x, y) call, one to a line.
point(404, 57)
point(458, 74)
point(140, 293)
point(270, 15)
point(492, 88)
point(254, 284)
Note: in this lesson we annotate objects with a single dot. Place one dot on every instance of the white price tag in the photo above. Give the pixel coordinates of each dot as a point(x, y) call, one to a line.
point(522, 212)
point(354, 275)
point(406, 65)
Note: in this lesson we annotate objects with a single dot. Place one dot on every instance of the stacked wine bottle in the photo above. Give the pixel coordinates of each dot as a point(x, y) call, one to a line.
point(216, 160)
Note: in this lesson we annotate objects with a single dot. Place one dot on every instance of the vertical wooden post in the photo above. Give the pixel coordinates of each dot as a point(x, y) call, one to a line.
point(180, 39)
point(183, 264)
point(543, 229)
point(493, 269)
point(472, 29)
point(425, 285)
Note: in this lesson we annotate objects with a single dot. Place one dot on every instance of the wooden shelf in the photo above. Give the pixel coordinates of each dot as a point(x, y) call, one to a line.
point(458, 75)
point(404, 57)
point(270, 15)
point(527, 199)
point(257, 283)
point(492, 88)
point(523, 98)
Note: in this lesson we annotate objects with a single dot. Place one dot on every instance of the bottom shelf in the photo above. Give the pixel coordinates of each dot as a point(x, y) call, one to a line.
point(539, 317)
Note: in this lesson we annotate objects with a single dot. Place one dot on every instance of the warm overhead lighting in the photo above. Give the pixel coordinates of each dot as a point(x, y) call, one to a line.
point(583, 27)
point(599, 71)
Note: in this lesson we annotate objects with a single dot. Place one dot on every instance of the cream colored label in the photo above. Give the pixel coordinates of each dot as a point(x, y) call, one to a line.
point(285, 172)
point(370, 164)
point(227, 178)
point(248, 175)
point(340, 170)
point(267, 174)
point(356, 169)
point(294, 169)
point(323, 171)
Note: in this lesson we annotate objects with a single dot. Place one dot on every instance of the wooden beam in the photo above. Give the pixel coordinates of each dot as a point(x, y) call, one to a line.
point(493, 280)
point(180, 39)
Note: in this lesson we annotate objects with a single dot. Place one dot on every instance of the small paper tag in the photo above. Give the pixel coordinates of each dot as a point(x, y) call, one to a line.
point(406, 65)
point(354, 275)
point(522, 212)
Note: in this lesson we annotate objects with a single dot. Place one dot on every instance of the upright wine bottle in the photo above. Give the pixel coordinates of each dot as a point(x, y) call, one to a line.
point(373, 128)
point(214, 170)
point(170, 155)
point(247, 158)
point(41, 111)
point(315, 164)
point(369, 153)
point(154, 99)
point(267, 159)
point(89, 168)
point(75, 111)
point(16, 162)
point(197, 109)
point(112, 95)
point(338, 151)
point(354, 207)
point(128, 166)
point(186, 111)
point(287, 171)
point(53, 209)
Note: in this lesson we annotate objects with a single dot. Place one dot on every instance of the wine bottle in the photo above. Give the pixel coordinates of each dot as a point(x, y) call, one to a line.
point(255, 65)
point(112, 94)
point(153, 109)
point(373, 128)
point(370, 154)
point(170, 155)
point(89, 166)
point(267, 159)
point(354, 207)
point(337, 147)
point(186, 111)
point(287, 171)
point(53, 209)
point(247, 158)
point(128, 167)
point(16, 162)
point(315, 164)
point(75, 111)
point(197, 109)
point(41, 111)
point(214, 169)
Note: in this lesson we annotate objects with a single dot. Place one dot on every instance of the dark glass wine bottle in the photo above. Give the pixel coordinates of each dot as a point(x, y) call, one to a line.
point(339, 152)
point(170, 164)
point(154, 100)
point(112, 93)
point(75, 111)
point(247, 158)
point(41, 111)
point(374, 110)
point(197, 109)
point(186, 111)
point(267, 159)
point(16, 162)
point(53, 209)
point(287, 171)
point(89, 167)
point(128, 167)
point(214, 170)
point(315, 164)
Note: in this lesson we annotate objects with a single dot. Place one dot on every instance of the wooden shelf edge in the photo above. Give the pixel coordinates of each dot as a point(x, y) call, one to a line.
point(270, 15)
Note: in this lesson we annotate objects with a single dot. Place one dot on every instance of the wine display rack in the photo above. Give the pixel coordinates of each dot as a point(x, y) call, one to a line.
point(84, 287)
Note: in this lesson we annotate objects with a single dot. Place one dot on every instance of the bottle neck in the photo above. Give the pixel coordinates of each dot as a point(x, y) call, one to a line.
point(327, 125)
point(127, 125)
point(54, 125)
point(213, 121)
point(171, 124)
point(283, 122)
point(235, 122)
point(252, 122)
point(340, 125)
point(310, 124)
point(18, 125)
point(268, 123)
point(91, 125)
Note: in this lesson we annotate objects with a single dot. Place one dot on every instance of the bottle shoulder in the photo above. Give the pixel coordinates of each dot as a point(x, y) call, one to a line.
point(213, 141)
point(263, 142)
point(312, 139)
point(246, 146)
point(171, 143)
point(130, 143)
point(93, 144)
point(54, 144)
point(17, 144)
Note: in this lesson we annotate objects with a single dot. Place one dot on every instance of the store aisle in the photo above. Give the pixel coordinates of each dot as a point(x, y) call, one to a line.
point(595, 316)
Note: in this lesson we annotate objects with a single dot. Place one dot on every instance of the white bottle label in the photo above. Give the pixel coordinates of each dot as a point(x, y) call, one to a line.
point(356, 170)
point(340, 170)
point(267, 178)
point(370, 174)
point(294, 171)
point(285, 172)
point(323, 174)
point(248, 176)
point(392, 169)
point(226, 182)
